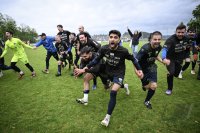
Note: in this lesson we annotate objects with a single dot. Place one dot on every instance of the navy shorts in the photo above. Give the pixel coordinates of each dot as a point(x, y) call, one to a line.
point(150, 75)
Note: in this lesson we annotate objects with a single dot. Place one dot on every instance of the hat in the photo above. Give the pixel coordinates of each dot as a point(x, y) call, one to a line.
point(43, 34)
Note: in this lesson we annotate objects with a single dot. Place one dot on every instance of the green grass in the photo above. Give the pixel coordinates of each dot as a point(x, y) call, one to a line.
point(47, 103)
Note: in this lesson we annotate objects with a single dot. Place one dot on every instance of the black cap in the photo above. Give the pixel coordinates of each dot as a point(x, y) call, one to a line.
point(43, 34)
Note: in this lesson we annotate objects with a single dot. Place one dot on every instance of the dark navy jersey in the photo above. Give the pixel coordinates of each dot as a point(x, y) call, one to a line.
point(64, 36)
point(61, 47)
point(175, 47)
point(114, 60)
point(147, 55)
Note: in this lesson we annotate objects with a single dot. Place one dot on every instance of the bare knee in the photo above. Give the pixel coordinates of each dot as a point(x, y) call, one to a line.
point(153, 85)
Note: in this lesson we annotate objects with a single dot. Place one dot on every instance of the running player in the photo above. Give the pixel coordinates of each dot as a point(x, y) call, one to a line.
point(17, 46)
point(115, 56)
point(147, 56)
point(47, 43)
point(173, 54)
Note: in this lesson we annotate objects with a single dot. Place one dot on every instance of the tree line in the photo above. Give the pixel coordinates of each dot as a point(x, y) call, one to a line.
point(24, 32)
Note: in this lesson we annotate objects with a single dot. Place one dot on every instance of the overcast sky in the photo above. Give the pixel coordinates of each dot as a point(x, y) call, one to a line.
point(98, 17)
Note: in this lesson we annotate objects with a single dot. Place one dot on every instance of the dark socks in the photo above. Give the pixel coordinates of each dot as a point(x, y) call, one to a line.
point(14, 67)
point(170, 81)
point(29, 67)
point(149, 94)
point(59, 69)
point(112, 102)
point(193, 64)
point(186, 65)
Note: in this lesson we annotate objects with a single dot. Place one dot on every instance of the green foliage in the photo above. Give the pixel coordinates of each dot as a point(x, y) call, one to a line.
point(23, 32)
point(195, 21)
point(46, 104)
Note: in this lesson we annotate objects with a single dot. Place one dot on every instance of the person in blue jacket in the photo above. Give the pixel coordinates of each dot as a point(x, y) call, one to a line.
point(47, 43)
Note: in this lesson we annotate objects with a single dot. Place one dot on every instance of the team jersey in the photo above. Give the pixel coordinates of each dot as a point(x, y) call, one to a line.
point(114, 60)
point(61, 47)
point(47, 43)
point(64, 36)
point(17, 46)
point(147, 55)
point(175, 48)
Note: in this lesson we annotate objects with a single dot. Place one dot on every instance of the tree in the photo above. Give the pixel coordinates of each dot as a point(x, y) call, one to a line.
point(24, 32)
point(195, 21)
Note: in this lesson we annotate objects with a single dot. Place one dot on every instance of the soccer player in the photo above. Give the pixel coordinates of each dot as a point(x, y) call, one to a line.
point(134, 40)
point(173, 54)
point(115, 56)
point(47, 43)
point(81, 30)
point(64, 34)
point(17, 46)
point(191, 45)
point(62, 51)
point(147, 56)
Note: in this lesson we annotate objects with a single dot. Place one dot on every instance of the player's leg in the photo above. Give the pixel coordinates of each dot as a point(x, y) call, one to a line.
point(170, 77)
point(48, 56)
point(185, 66)
point(112, 102)
point(59, 68)
point(86, 90)
point(194, 61)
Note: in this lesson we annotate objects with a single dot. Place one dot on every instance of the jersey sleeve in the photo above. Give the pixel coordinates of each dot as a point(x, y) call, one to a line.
point(97, 59)
point(141, 53)
point(129, 56)
point(165, 48)
point(23, 44)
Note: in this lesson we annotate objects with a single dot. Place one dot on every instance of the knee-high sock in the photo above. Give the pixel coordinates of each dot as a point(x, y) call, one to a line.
point(150, 94)
point(193, 64)
point(59, 69)
point(186, 65)
point(170, 79)
point(29, 67)
point(14, 67)
point(112, 102)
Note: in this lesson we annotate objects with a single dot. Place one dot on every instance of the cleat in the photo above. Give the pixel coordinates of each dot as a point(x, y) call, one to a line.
point(126, 89)
point(143, 88)
point(105, 122)
point(168, 92)
point(94, 87)
point(148, 104)
point(45, 71)
point(180, 75)
point(21, 76)
point(81, 101)
point(33, 74)
point(192, 72)
point(57, 75)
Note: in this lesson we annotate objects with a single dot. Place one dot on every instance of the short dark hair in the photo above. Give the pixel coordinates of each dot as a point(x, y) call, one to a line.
point(154, 33)
point(43, 34)
point(180, 27)
point(83, 33)
point(9, 31)
point(86, 50)
point(73, 33)
point(60, 26)
point(191, 29)
point(115, 32)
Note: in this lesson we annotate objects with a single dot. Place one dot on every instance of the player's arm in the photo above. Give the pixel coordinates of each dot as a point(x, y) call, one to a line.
point(4, 52)
point(25, 45)
point(97, 59)
point(129, 31)
point(37, 44)
point(136, 66)
point(165, 49)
